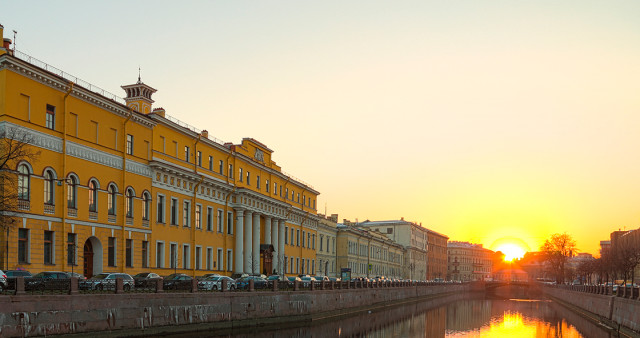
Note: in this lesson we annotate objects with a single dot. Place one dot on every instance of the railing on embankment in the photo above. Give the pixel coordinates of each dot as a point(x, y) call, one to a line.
point(621, 307)
point(24, 314)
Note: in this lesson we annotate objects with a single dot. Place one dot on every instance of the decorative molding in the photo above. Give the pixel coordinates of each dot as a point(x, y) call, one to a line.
point(35, 138)
point(93, 155)
point(137, 168)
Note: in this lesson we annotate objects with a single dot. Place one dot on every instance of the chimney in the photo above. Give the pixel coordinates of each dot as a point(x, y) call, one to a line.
point(204, 134)
point(159, 111)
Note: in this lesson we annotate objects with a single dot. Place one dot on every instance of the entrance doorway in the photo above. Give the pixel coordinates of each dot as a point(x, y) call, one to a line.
point(92, 253)
point(266, 251)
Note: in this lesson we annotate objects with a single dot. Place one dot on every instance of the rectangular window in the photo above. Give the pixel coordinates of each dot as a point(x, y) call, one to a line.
point(220, 221)
point(198, 258)
point(209, 219)
point(129, 252)
point(230, 170)
point(71, 248)
point(186, 259)
point(280, 191)
point(291, 266)
point(275, 188)
point(308, 240)
point(48, 247)
point(258, 181)
point(186, 210)
point(229, 259)
point(286, 235)
point(198, 217)
point(160, 218)
point(266, 185)
point(209, 258)
point(303, 238)
point(240, 175)
point(286, 193)
point(220, 260)
point(229, 225)
point(51, 117)
point(145, 254)
point(298, 197)
point(173, 252)
point(211, 163)
point(175, 145)
point(174, 211)
point(304, 200)
point(186, 153)
point(298, 237)
point(111, 253)
point(291, 241)
point(220, 163)
point(248, 178)
point(199, 158)
point(129, 144)
point(160, 255)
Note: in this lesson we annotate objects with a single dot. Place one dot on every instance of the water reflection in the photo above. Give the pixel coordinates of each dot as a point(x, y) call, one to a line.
point(454, 316)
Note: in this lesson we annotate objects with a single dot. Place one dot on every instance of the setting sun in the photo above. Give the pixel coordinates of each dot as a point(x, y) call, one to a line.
point(512, 248)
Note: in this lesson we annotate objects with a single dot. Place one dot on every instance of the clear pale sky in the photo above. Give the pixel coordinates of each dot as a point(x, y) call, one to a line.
point(479, 119)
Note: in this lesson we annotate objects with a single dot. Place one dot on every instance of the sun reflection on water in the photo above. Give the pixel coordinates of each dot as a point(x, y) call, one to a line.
point(514, 324)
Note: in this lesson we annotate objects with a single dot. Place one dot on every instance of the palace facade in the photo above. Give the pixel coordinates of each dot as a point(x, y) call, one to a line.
point(121, 186)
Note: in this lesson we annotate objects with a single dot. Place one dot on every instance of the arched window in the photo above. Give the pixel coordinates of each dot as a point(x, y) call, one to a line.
point(129, 205)
point(146, 205)
point(72, 189)
point(48, 187)
point(93, 196)
point(111, 203)
point(24, 178)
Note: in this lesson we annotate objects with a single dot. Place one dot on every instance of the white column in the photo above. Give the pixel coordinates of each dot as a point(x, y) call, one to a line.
point(281, 246)
point(239, 252)
point(248, 249)
point(256, 243)
point(274, 241)
point(267, 230)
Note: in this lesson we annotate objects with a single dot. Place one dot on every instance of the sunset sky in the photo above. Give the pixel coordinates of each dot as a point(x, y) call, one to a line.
point(479, 119)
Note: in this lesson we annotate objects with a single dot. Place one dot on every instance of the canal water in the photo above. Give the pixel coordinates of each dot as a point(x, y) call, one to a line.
point(452, 316)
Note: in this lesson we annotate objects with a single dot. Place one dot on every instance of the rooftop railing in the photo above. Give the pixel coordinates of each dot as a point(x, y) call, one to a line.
point(78, 81)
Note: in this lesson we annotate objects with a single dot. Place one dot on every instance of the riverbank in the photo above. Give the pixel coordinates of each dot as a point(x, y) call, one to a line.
point(617, 314)
point(143, 314)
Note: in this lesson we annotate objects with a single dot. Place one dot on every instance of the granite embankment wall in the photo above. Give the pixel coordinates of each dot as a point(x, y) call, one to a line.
point(40, 315)
point(612, 309)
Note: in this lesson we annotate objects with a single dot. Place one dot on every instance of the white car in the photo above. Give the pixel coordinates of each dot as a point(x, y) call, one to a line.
point(215, 283)
point(3, 281)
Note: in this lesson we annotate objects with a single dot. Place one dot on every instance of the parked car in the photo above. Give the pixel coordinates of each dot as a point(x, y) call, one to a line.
point(3, 280)
point(107, 281)
point(77, 275)
point(177, 281)
point(307, 280)
point(335, 279)
point(293, 279)
point(258, 282)
point(279, 278)
point(215, 283)
point(45, 281)
point(17, 273)
point(146, 279)
point(207, 275)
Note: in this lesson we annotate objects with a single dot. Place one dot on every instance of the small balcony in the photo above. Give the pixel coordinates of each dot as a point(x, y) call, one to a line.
point(72, 212)
point(111, 218)
point(129, 220)
point(49, 209)
point(93, 215)
point(24, 205)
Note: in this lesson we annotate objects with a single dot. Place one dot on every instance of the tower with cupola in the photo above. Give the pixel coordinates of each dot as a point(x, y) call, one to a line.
point(139, 96)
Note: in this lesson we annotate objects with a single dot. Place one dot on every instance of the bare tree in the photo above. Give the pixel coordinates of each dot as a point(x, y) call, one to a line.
point(15, 146)
point(627, 258)
point(557, 250)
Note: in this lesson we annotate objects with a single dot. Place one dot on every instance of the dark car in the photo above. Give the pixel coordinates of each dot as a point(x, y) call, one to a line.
point(146, 279)
point(47, 280)
point(107, 281)
point(177, 281)
point(17, 273)
point(258, 282)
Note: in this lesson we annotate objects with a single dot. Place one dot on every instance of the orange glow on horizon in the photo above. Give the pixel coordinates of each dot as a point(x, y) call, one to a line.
point(512, 248)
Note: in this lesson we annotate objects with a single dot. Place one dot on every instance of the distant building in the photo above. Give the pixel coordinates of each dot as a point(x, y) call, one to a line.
point(413, 237)
point(368, 253)
point(326, 248)
point(468, 261)
point(436, 255)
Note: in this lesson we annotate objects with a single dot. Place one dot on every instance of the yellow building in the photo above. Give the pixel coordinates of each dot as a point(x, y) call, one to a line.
point(121, 186)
